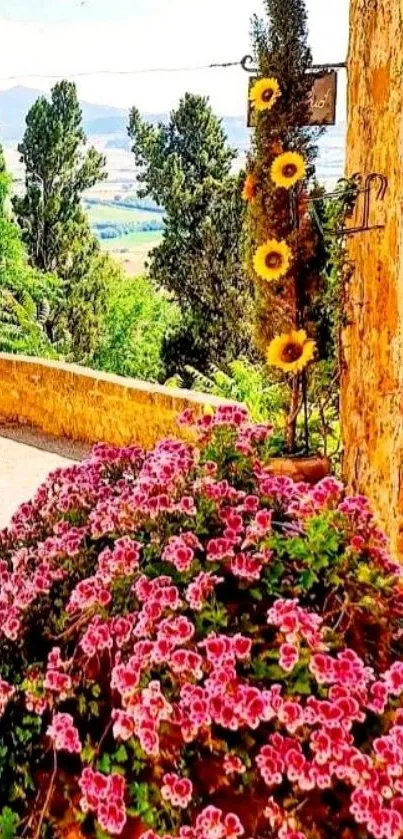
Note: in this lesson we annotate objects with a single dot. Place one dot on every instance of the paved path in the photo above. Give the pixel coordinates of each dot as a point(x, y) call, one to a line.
point(26, 458)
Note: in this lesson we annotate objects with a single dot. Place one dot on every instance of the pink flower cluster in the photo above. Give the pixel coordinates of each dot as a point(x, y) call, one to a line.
point(233, 417)
point(104, 795)
point(296, 623)
point(143, 713)
point(122, 561)
point(202, 660)
point(180, 551)
point(20, 587)
point(88, 593)
point(211, 823)
point(6, 693)
point(202, 586)
point(64, 734)
point(176, 790)
point(298, 627)
point(233, 765)
point(56, 679)
point(225, 649)
point(375, 779)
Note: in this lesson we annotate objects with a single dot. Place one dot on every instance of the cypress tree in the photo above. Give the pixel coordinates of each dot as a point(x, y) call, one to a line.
point(281, 52)
point(58, 170)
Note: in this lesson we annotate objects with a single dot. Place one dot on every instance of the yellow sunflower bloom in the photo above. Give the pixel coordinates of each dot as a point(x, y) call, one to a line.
point(264, 94)
point(287, 169)
point(291, 351)
point(272, 260)
point(250, 188)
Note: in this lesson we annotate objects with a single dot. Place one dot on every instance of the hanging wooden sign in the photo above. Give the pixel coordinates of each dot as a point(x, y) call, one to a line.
point(322, 99)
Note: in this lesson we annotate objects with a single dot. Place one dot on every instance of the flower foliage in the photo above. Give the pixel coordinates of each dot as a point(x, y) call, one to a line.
point(191, 647)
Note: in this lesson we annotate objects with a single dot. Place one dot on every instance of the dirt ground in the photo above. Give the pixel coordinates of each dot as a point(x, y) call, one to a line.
point(26, 458)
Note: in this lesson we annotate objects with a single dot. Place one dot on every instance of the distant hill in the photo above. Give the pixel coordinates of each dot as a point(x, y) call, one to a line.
point(111, 124)
point(235, 129)
point(16, 102)
point(98, 119)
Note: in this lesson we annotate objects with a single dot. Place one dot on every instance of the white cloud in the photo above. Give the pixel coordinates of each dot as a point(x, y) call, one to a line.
point(158, 33)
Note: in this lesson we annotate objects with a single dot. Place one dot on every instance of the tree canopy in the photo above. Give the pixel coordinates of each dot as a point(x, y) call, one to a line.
point(58, 169)
point(28, 298)
point(185, 166)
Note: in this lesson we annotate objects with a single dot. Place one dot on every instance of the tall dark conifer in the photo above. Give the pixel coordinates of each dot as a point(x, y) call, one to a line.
point(281, 52)
point(58, 170)
point(185, 166)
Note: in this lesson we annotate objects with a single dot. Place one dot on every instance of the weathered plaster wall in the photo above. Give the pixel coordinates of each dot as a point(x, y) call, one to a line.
point(75, 402)
point(372, 380)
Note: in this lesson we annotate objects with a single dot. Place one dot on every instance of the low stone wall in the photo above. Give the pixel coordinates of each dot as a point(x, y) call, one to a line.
point(65, 400)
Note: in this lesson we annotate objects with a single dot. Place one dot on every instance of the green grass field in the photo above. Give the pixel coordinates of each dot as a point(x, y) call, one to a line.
point(149, 238)
point(132, 250)
point(119, 215)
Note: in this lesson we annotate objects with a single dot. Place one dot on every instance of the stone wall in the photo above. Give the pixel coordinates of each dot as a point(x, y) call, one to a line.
point(372, 380)
point(65, 400)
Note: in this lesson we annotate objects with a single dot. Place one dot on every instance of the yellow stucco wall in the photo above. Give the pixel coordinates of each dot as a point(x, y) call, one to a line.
point(66, 400)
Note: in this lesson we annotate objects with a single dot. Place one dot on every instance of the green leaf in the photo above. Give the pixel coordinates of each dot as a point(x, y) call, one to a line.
point(100, 834)
point(120, 755)
point(274, 671)
point(104, 763)
point(88, 753)
point(9, 822)
point(302, 684)
point(308, 579)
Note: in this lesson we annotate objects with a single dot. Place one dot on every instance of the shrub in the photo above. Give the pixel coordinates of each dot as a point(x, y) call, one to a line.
point(137, 320)
point(193, 647)
point(265, 397)
point(246, 382)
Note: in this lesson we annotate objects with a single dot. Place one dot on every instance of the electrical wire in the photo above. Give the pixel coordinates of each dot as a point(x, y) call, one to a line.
point(137, 72)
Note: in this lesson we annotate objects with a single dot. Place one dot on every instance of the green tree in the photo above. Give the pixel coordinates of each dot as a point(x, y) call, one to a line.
point(185, 167)
point(4, 182)
point(281, 51)
point(54, 226)
point(57, 171)
point(178, 157)
point(138, 318)
point(280, 46)
point(88, 278)
point(28, 298)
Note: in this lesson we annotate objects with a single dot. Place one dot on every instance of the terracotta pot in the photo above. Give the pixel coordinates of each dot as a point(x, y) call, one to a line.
point(308, 469)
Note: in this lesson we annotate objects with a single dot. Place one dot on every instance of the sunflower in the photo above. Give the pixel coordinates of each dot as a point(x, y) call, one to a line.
point(291, 351)
point(272, 260)
point(264, 94)
point(250, 188)
point(287, 169)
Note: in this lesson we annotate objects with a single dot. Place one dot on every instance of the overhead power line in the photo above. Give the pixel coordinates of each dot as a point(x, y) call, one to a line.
point(246, 63)
point(140, 71)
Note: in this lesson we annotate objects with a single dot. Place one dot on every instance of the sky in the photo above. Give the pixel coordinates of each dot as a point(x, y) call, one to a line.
point(65, 37)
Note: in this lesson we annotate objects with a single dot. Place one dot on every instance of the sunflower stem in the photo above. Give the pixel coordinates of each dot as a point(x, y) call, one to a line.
point(293, 415)
point(306, 413)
